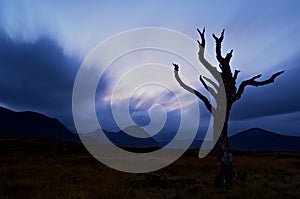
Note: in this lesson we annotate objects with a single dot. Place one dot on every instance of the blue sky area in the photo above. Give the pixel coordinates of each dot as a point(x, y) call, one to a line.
point(43, 43)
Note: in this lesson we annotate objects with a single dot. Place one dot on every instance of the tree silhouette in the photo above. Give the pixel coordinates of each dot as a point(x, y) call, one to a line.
point(228, 171)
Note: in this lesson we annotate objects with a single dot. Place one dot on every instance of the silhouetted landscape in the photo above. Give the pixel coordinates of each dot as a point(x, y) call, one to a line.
point(36, 125)
point(149, 99)
point(257, 139)
point(37, 168)
point(32, 164)
point(32, 124)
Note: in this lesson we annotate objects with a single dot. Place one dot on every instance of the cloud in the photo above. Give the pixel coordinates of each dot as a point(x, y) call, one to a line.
point(281, 97)
point(43, 43)
point(37, 76)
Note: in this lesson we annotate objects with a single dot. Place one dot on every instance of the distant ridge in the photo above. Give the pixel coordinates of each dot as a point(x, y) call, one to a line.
point(32, 124)
point(36, 125)
point(256, 139)
point(122, 139)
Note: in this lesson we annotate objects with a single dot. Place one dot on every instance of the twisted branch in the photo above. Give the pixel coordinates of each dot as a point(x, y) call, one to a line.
point(207, 87)
point(252, 82)
point(218, 46)
point(236, 72)
point(213, 70)
point(191, 90)
point(224, 62)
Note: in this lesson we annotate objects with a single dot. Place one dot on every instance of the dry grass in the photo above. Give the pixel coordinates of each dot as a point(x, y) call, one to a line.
point(31, 168)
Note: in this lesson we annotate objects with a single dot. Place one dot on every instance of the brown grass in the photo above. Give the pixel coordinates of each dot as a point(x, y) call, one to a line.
point(32, 168)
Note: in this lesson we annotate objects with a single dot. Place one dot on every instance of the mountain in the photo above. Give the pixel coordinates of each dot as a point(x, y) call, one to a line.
point(254, 139)
point(257, 139)
point(196, 143)
point(122, 139)
point(33, 124)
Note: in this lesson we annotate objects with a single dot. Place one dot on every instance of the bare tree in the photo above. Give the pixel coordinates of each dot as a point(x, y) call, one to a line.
point(228, 171)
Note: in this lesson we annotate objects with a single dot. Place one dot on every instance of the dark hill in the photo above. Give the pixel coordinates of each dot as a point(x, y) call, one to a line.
point(32, 124)
point(122, 139)
point(260, 139)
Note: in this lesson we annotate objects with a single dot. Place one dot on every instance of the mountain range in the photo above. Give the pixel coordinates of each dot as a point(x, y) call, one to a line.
point(32, 124)
point(262, 140)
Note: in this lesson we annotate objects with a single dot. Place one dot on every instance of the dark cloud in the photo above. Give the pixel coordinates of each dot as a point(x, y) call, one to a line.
point(281, 97)
point(37, 76)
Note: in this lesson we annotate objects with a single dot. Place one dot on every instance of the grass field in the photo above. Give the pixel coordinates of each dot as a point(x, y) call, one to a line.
point(33, 168)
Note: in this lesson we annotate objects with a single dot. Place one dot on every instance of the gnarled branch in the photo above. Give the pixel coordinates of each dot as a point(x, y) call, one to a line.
point(213, 70)
point(191, 90)
point(207, 87)
point(224, 62)
point(211, 82)
point(228, 57)
point(202, 44)
point(218, 46)
point(252, 82)
point(236, 73)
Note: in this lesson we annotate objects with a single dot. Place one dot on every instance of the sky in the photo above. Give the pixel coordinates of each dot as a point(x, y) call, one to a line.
point(43, 43)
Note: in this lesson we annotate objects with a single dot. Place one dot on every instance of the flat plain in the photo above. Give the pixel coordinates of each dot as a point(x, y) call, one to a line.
point(37, 168)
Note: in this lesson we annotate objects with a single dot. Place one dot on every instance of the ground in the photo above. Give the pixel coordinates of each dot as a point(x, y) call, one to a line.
point(34, 168)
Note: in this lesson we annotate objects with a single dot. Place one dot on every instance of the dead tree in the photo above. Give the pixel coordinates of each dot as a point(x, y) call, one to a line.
point(228, 171)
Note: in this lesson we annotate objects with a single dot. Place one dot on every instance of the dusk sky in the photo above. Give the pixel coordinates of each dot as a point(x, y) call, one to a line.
point(43, 43)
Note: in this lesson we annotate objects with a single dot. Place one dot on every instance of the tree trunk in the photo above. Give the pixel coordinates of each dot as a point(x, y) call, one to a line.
point(228, 171)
